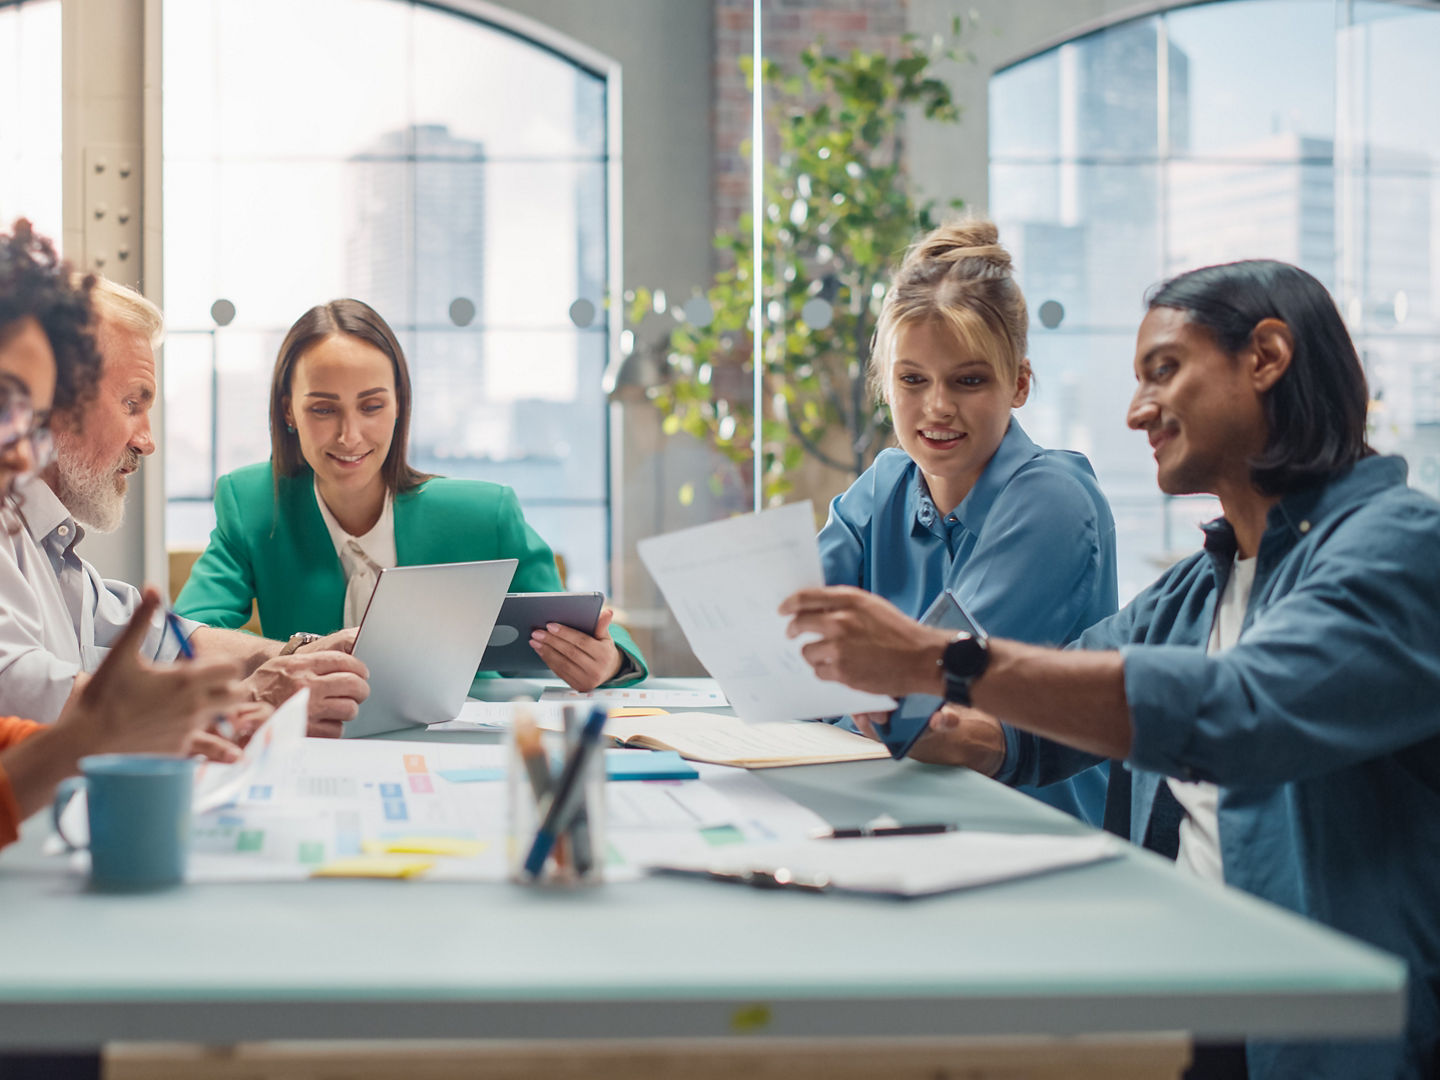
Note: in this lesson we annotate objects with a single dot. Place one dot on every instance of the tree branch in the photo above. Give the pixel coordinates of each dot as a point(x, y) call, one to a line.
point(812, 449)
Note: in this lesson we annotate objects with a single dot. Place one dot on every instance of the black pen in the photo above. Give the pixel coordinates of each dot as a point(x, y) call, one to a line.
point(881, 830)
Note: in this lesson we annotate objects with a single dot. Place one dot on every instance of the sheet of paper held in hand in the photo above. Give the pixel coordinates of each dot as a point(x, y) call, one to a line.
point(725, 582)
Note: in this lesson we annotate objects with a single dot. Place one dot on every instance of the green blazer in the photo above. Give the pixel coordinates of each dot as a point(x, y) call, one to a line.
point(273, 548)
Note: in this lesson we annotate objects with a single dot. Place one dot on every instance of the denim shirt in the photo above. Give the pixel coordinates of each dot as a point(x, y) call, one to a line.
point(1030, 552)
point(1321, 726)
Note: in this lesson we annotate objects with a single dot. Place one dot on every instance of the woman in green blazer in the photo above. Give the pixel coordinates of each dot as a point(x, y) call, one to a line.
point(305, 534)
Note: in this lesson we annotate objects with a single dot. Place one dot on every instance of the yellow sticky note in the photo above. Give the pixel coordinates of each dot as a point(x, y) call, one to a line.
point(750, 1018)
point(374, 866)
point(426, 845)
point(637, 710)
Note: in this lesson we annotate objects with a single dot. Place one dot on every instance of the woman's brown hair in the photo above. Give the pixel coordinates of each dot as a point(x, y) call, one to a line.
point(360, 321)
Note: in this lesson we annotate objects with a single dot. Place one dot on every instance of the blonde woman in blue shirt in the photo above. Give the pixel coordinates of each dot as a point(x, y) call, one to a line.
point(967, 501)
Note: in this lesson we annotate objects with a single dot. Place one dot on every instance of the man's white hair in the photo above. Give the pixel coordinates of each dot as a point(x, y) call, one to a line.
point(125, 307)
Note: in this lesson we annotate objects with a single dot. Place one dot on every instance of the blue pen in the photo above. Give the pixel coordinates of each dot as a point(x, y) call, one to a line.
point(173, 622)
point(567, 792)
point(222, 726)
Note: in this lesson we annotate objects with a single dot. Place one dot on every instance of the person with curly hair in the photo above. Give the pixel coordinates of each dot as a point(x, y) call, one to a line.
point(47, 356)
point(58, 615)
point(35, 284)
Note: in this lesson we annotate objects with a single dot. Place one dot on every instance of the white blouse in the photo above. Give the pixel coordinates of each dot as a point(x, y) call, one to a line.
point(362, 557)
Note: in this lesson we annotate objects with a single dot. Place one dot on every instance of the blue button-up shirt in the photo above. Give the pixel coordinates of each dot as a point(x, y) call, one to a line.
point(1321, 726)
point(1030, 552)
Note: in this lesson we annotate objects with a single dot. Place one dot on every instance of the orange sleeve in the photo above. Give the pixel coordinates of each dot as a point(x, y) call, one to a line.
point(12, 730)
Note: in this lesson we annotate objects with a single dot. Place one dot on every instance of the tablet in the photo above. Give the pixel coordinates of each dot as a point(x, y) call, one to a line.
point(523, 613)
point(912, 716)
point(422, 637)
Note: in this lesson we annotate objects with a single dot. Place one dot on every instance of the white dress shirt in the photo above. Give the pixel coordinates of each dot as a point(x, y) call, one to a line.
point(58, 616)
point(362, 557)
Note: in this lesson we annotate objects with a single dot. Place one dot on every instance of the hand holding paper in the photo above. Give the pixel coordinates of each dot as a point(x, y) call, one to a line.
point(725, 582)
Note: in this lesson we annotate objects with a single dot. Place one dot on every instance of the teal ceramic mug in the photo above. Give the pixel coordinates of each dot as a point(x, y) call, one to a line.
point(139, 811)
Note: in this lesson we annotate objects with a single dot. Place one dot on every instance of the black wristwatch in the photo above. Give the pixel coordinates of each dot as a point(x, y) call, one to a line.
point(963, 662)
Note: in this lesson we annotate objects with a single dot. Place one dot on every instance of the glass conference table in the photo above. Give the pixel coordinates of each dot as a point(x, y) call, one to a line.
point(1112, 966)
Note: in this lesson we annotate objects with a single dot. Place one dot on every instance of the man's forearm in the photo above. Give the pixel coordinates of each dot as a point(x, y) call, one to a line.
point(1072, 696)
point(248, 650)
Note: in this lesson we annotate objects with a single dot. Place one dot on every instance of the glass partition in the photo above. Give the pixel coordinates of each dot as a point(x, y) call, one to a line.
point(383, 166)
point(1186, 138)
point(30, 115)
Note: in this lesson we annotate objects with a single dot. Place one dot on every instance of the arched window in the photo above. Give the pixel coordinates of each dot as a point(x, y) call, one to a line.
point(452, 172)
point(1287, 129)
point(30, 114)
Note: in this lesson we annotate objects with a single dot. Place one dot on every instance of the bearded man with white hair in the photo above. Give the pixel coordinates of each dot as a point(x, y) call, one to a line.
point(58, 616)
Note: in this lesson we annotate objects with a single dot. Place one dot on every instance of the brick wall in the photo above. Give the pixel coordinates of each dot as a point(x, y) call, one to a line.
point(787, 27)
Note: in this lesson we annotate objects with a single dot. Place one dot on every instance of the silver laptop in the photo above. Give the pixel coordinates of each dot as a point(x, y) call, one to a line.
point(422, 637)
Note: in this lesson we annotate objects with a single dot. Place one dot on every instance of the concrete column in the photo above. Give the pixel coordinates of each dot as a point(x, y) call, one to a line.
point(111, 144)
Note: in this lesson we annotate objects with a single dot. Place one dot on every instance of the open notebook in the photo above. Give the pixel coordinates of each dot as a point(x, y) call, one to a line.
point(728, 740)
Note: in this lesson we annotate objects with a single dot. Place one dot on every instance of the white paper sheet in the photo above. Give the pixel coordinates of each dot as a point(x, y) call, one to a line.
point(725, 582)
point(642, 697)
point(739, 810)
point(500, 715)
point(911, 865)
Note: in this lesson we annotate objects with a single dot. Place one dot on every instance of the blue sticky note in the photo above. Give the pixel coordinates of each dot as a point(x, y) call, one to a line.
point(648, 765)
point(619, 765)
point(470, 776)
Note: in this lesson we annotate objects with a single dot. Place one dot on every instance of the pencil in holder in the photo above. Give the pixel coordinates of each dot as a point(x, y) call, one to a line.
point(556, 795)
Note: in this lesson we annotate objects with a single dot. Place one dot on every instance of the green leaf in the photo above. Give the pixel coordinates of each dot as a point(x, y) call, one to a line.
point(832, 114)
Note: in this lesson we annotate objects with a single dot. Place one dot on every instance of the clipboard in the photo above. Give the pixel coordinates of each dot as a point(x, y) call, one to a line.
point(912, 716)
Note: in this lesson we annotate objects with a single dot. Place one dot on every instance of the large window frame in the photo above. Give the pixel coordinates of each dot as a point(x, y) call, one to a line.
point(1336, 168)
point(594, 65)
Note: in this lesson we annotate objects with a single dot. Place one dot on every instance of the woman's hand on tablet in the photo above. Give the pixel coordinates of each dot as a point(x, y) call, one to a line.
point(582, 660)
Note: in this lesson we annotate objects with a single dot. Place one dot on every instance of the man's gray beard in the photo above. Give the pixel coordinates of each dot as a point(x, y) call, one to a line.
point(88, 491)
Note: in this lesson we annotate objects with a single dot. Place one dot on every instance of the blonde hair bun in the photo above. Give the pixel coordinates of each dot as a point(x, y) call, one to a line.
point(959, 276)
point(970, 238)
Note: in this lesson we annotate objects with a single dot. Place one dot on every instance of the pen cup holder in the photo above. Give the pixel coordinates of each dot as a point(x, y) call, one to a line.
point(556, 834)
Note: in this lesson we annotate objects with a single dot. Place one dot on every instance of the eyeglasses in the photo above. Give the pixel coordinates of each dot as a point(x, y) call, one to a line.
point(18, 423)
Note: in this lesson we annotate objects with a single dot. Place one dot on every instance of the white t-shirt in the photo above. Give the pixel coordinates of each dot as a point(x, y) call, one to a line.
point(1200, 829)
point(362, 557)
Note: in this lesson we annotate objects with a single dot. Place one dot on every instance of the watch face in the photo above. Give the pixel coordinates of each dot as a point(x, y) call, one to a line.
point(965, 657)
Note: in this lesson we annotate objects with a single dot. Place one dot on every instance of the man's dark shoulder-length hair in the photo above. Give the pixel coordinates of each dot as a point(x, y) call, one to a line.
point(1316, 412)
point(356, 319)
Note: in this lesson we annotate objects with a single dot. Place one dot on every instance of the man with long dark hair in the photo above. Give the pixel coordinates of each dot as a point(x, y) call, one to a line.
point(1283, 683)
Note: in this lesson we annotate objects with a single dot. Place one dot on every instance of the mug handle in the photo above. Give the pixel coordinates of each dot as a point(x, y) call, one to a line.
point(64, 792)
